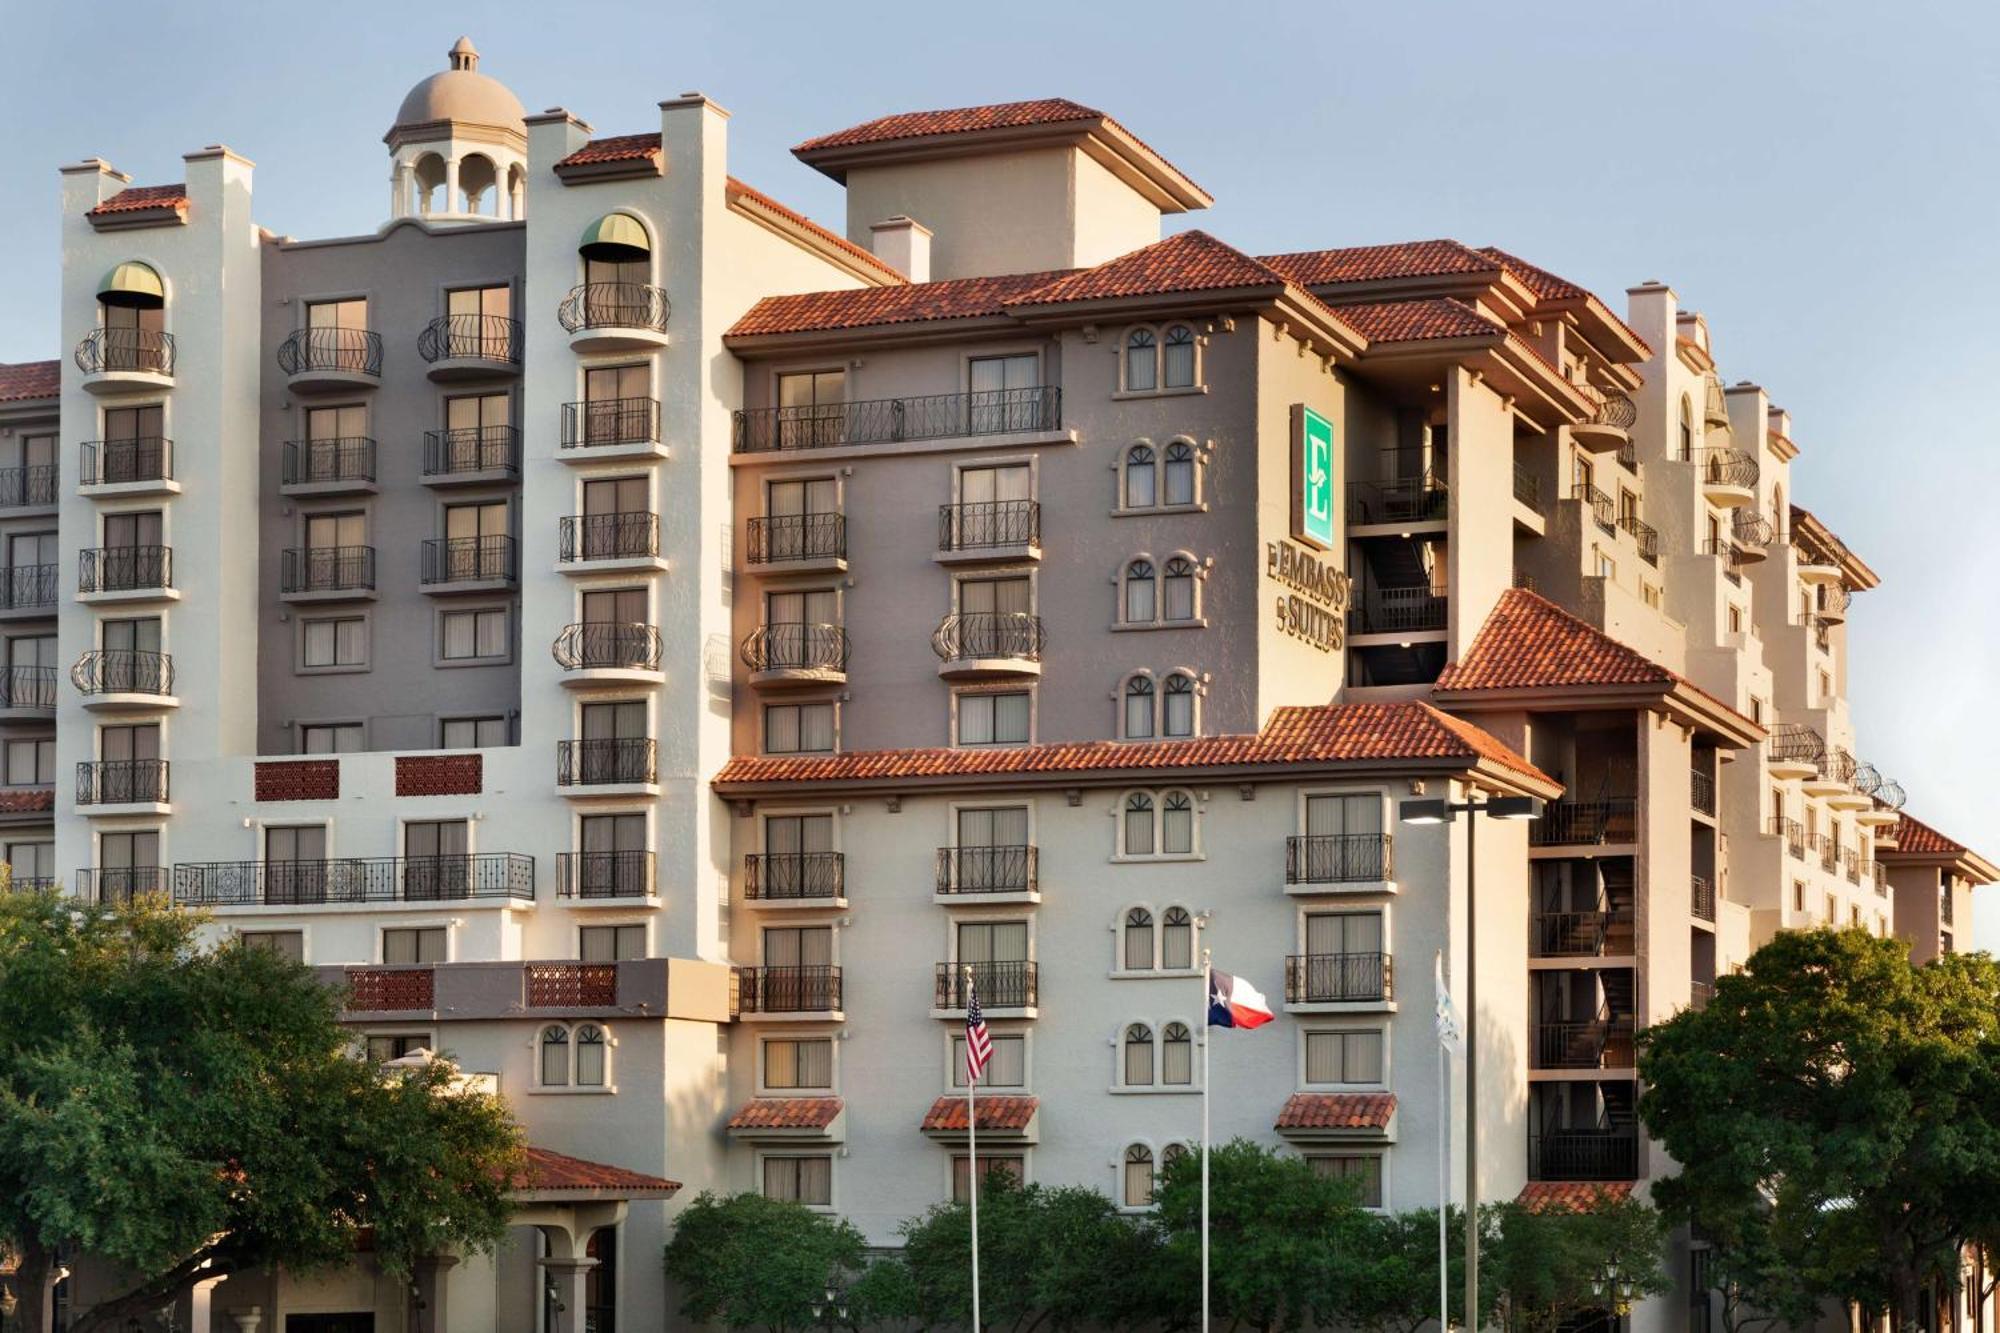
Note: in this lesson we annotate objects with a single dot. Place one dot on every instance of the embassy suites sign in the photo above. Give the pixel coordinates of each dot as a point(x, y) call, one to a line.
point(1315, 606)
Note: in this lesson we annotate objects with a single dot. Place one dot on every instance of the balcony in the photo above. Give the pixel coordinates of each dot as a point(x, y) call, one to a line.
point(322, 360)
point(1423, 498)
point(803, 992)
point(1527, 487)
point(1600, 933)
point(1728, 476)
point(1701, 791)
point(344, 465)
point(1584, 1154)
point(1610, 820)
point(1701, 898)
point(1944, 907)
point(119, 884)
point(1644, 536)
point(499, 876)
point(27, 692)
point(1834, 599)
point(327, 573)
point(1850, 865)
point(1397, 611)
point(795, 654)
point(1815, 563)
point(28, 590)
point(389, 990)
point(1832, 777)
point(124, 360)
point(596, 652)
point(1318, 862)
point(569, 985)
point(796, 544)
point(1317, 982)
point(610, 766)
point(1604, 1042)
point(1008, 985)
point(461, 347)
point(1700, 993)
point(125, 574)
point(989, 530)
point(122, 786)
point(113, 680)
point(1609, 428)
point(615, 316)
point(1725, 550)
point(610, 543)
point(31, 487)
point(127, 467)
point(1793, 834)
point(1829, 852)
point(472, 456)
point(605, 876)
point(611, 428)
point(1752, 532)
point(939, 416)
point(988, 643)
point(453, 565)
point(1601, 506)
point(796, 879)
point(988, 874)
point(1794, 750)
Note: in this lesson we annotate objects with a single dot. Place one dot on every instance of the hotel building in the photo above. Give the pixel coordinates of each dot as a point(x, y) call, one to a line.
point(650, 646)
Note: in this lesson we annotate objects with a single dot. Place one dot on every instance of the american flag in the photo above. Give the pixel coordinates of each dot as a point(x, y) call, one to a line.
point(978, 1045)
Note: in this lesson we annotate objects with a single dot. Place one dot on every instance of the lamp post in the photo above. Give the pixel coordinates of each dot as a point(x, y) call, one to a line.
point(1447, 811)
point(1612, 1283)
point(831, 1311)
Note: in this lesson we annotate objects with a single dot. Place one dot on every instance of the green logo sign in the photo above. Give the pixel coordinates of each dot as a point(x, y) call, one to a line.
point(1312, 479)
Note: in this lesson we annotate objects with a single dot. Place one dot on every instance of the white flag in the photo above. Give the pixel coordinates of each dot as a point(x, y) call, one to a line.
point(1447, 1015)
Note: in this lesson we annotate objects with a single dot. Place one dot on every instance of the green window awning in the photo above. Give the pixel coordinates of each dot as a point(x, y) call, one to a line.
point(133, 284)
point(615, 236)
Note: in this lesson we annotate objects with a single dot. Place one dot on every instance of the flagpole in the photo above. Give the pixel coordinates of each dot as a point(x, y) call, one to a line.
point(972, 1151)
point(1444, 1187)
point(1207, 1039)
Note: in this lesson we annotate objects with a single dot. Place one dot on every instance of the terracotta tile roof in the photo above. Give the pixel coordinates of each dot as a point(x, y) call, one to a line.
point(787, 1113)
point(947, 1114)
point(1374, 263)
point(133, 198)
point(1537, 280)
point(1914, 837)
point(25, 380)
point(1529, 642)
point(911, 303)
point(1417, 321)
point(826, 234)
point(1189, 261)
point(1321, 733)
point(1337, 1110)
point(614, 148)
point(962, 120)
point(1574, 1196)
point(27, 800)
point(546, 1172)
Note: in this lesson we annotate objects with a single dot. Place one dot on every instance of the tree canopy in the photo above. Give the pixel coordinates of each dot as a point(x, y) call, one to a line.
point(745, 1261)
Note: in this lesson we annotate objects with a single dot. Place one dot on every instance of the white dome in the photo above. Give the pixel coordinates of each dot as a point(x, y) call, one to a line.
point(462, 93)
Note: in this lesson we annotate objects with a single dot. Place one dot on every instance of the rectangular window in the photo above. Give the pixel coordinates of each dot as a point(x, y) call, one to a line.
point(349, 314)
point(1352, 1055)
point(994, 597)
point(610, 944)
point(31, 763)
point(993, 719)
point(807, 1180)
point(332, 738)
point(798, 728)
point(472, 636)
point(796, 1063)
point(290, 943)
point(472, 733)
point(31, 861)
point(1012, 1165)
point(419, 944)
point(384, 1047)
point(1363, 1169)
point(798, 946)
point(1007, 1069)
point(335, 642)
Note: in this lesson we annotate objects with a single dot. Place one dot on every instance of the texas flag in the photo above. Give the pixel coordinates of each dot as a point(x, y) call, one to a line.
point(1235, 1003)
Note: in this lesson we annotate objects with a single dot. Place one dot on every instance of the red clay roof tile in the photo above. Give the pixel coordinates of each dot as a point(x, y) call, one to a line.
point(1418, 321)
point(1916, 838)
point(947, 1114)
point(787, 1113)
point(27, 800)
point(1537, 280)
point(1374, 263)
point(1572, 1196)
point(1189, 261)
point(133, 198)
point(1529, 642)
point(960, 120)
point(543, 1171)
point(1337, 1110)
point(614, 148)
point(23, 381)
point(911, 303)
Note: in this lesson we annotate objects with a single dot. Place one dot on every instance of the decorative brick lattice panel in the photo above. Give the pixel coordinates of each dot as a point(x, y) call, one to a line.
point(572, 985)
point(299, 780)
point(440, 774)
point(385, 991)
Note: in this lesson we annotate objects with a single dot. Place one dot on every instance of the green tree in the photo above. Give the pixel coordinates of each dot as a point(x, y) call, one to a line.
point(185, 1114)
point(1540, 1266)
point(1834, 1110)
point(1394, 1286)
point(745, 1261)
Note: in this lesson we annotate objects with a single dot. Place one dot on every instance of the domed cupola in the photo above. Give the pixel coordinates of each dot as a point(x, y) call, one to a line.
point(459, 146)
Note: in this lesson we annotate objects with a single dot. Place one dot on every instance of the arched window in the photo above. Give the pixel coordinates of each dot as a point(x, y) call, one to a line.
point(1138, 940)
point(1179, 711)
point(1170, 1154)
point(1142, 374)
point(1138, 1176)
point(1138, 1056)
point(1139, 489)
point(1177, 824)
point(1142, 593)
point(591, 1065)
point(1178, 602)
point(1180, 473)
point(1687, 429)
point(1177, 939)
point(1139, 708)
point(1178, 358)
point(1138, 824)
point(1176, 1056)
point(555, 1056)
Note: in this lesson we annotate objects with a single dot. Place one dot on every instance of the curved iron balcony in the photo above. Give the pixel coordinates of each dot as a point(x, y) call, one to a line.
point(24, 486)
point(375, 879)
point(124, 568)
point(1008, 984)
point(793, 876)
point(140, 351)
point(775, 538)
point(472, 449)
point(119, 462)
point(614, 305)
point(28, 687)
point(1339, 978)
point(789, 646)
point(471, 338)
point(1339, 858)
point(327, 569)
point(120, 884)
point(989, 634)
point(986, 524)
point(604, 874)
point(1752, 531)
point(341, 351)
point(121, 781)
point(1614, 410)
point(1890, 795)
point(934, 416)
point(468, 560)
point(605, 421)
point(1725, 467)
point(1837, 765)
point(1795, 742)
point(607, 645)
point(25, 587)
point(605, 761)
point(1001, 869)
point(810, 989)
point(123, 671)
point(319, 462)
point(626, 536)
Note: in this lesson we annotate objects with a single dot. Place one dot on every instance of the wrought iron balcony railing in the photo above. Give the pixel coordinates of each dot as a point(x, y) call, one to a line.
point(986, 524)
point(471, 338)
point(123, 671)
point(28, 687)
point(123, 462)
point(121, 781)
point(1010, 984)
point(1644, 535)
point(1793, 833)
point(1602, 507)
point(792, 646)
point(375, 879)
point(1013, 635)
point(776, 538)
point(1585, 823)
point(1339, 978)
point(977, 870)
point(1422, 498)
point(605, 761)
point(124, 568)
point(607, 645)
point(627, 874)
point(26, 587)
point(1701, 897)
point(887, 420)
point(138, 351)
point(1389, 610)
point(1604, 1042)
point(347, 458)
point(327, 569)
point(1795, 742)
point(804, 989)
point(1589, 934)
point(341, 351)
point(791, 876)
point(472, 449)
point(1339, 858)
point(601, 422)
point(21, 487)
point(1527, 487)
point(470, 560)
point(119, 884)
point(1701, 790)
point(1584, 1154)
point(614, 305)
point(1614, 410)
point(627, 536)
point(1725, 467)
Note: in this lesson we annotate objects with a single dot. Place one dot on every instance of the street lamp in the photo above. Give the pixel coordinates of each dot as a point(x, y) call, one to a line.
point(831, 1309)
point(1439, 810)
point(1612, 1282)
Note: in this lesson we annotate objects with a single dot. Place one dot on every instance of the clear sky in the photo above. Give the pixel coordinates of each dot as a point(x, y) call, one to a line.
point(1818, 178)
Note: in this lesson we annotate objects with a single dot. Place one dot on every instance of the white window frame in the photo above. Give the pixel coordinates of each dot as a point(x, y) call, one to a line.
point(1160, 388)
point(1158, 1087)
point(832, 1037)
point(1382, 1027)
point(958, 697)
point(299, 665)
point(443, 663)
point(763, 723)
point(832, 1205)
point(571, 1026)
point(1119, 855)
point(445, 923)
point(955, 1034)
point(1197, 924)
